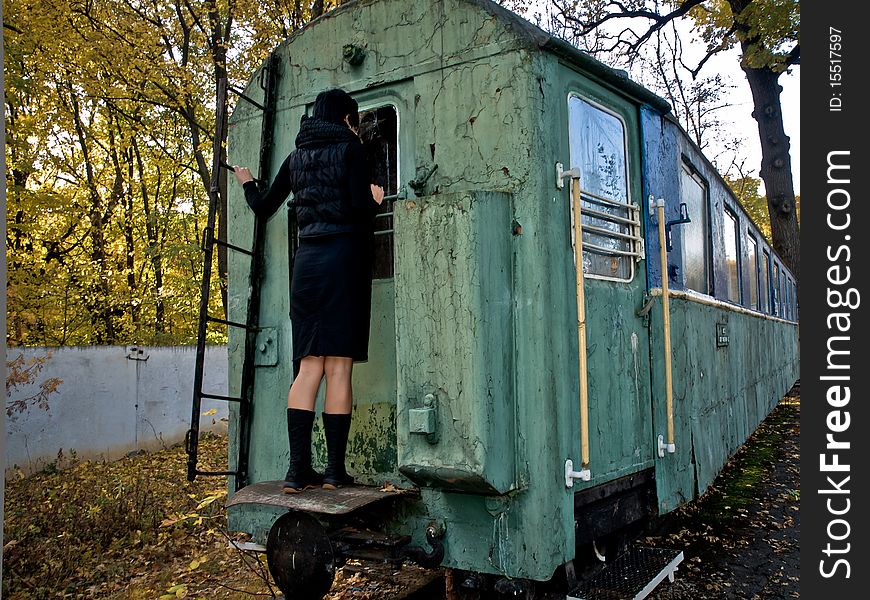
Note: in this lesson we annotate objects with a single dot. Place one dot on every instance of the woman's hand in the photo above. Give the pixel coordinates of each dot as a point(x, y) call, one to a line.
point(377, 193)
point(243, 174)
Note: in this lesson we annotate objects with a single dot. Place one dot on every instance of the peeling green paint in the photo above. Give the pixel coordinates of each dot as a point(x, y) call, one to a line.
point(455, 339)
point(720, 394)
point(481, 315)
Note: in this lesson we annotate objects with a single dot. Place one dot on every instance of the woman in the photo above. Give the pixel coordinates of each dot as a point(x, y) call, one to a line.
point(330, 302)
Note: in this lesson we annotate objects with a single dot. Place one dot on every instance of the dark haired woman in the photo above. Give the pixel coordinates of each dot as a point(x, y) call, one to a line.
point(331, 289)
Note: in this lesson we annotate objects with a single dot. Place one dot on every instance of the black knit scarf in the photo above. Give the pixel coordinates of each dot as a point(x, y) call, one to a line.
point(315, 132)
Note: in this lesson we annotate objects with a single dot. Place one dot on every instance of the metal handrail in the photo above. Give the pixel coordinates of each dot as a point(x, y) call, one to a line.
point(608, 217)
point(633, 224)
point(609, 233)
point(610, 251)
point(604, 200)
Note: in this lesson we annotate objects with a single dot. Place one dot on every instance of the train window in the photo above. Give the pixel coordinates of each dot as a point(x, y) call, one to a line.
point(695, 237)
point(786, 296)
point(783, 294)
point(379, 131)
point(794, 312)
point(794, 300)
point(765, 283)
point(597, 141)
point(732, 261)
point(752, 252)
point(775, 285)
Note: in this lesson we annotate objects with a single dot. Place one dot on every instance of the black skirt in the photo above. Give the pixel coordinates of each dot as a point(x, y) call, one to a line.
point(331, 296)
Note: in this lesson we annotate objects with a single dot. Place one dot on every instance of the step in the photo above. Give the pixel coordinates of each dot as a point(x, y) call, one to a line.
point(341, 501)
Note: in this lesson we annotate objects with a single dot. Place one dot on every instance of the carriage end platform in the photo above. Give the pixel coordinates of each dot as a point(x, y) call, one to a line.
point(341, 501)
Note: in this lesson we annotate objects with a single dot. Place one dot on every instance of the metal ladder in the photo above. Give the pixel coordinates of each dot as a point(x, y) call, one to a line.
point(268, 80)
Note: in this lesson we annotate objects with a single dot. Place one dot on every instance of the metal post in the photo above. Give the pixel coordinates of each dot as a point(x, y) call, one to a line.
point(581, 324)
point(666, 318)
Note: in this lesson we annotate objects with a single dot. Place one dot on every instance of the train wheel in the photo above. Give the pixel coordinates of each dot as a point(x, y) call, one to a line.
point(300, 556)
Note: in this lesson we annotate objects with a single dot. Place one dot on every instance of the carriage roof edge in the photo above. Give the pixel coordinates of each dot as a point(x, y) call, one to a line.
point(534, 38)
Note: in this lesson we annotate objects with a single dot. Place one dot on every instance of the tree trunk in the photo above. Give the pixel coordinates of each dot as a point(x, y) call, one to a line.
point(97, 300)
point(130, 247)
point(775, 147)
point(776, 165)
point(155, 251)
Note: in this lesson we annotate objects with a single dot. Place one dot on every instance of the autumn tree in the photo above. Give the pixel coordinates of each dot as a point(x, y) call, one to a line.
point(767, 33)
point(747, 189)
point(110, 119)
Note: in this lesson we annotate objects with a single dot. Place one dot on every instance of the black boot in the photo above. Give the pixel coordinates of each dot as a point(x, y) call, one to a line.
point(336, 427)
point(300, 475)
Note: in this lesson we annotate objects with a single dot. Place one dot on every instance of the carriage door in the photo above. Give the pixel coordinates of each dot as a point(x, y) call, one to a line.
point(604, 146)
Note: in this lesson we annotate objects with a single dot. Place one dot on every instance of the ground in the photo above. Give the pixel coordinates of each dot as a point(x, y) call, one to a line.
point(136, 528)
point(742, 538)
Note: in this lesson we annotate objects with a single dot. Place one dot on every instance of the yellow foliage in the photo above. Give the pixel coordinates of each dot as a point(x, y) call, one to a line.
point(110, 112)
point(130, 529)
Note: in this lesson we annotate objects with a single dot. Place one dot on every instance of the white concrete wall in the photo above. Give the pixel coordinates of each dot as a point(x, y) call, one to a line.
point(113, 400)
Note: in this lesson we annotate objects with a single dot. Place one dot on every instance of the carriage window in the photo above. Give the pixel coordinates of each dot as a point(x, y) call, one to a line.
point(378, 129)
point(695, 238)
point(794, 301)
point(611, 228)
point(786, 298)
point(765, 283)
point(732, 263)
point(752, 251)
point(775, 286)
point(783, 302)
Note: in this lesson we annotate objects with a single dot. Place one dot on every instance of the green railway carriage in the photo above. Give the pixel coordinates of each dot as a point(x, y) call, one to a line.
point(470, 404)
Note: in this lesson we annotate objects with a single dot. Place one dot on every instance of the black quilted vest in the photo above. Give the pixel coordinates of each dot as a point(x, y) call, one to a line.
point(324, 172)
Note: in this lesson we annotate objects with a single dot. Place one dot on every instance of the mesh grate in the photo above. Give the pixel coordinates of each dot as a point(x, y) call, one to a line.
point(632, 576)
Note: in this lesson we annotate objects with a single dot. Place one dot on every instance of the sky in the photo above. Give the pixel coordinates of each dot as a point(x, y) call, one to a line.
point(738, 117)
point(739, 114)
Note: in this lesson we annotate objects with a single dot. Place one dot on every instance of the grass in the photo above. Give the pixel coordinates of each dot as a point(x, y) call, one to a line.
point(736, 487)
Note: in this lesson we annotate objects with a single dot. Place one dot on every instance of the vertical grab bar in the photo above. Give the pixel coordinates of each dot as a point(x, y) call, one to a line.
point(581, 324)
point(666, 318)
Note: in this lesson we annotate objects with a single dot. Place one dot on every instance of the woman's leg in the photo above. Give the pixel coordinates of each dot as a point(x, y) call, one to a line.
point(336, 419)
point(300, 419)
point(339, 392)
point(304, 389)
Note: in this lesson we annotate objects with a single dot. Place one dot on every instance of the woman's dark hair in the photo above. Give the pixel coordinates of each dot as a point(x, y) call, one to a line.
point(333, 105)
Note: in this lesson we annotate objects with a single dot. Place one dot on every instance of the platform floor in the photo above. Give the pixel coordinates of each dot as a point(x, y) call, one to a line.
point(316, 500)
